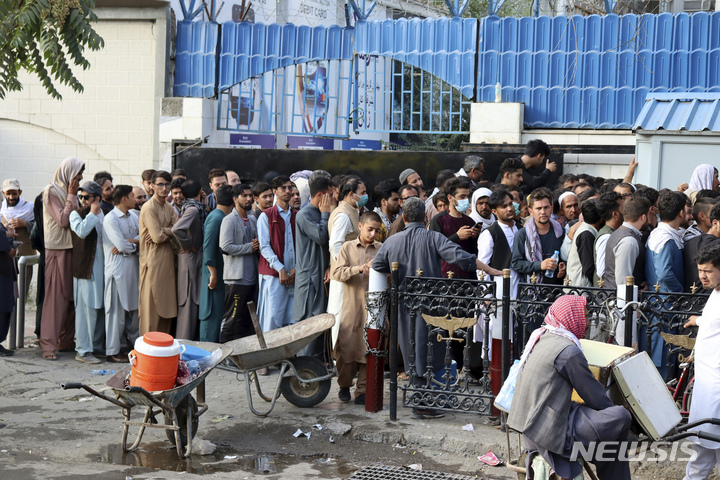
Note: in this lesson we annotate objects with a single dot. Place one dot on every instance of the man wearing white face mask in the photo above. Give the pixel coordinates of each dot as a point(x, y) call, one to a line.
point(342, 227)
point(456, 225)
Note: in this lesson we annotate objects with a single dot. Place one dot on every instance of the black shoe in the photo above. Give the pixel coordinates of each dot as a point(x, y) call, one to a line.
point(344, 395)
point(117, 358)
point(360, 399)
point(4, 352)
point(426, 413)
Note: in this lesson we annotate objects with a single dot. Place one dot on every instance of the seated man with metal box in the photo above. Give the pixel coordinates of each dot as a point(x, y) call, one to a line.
point(552, 425)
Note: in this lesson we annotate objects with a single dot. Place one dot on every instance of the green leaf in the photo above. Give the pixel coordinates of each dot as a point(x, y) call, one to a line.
point(33, 39)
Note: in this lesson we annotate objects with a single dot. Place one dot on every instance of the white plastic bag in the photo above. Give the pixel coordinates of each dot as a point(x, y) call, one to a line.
point(503, 401)
point(210, 361)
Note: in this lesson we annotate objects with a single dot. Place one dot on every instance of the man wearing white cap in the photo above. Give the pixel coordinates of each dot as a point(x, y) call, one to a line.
point(411, 177)
point(569, 207)
point(17, 213)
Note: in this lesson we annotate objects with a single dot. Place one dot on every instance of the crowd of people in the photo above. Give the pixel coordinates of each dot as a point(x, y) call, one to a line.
point(118, 260)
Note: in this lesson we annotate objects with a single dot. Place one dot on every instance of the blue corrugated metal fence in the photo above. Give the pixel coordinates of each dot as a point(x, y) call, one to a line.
point(571, 72)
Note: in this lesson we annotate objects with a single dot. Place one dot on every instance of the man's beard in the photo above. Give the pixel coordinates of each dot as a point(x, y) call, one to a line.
point(13, 202)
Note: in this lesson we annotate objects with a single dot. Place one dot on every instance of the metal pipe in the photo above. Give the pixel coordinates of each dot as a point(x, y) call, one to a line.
point(506, 324)
point(629, 296)
point(23, 263)
point(393, 347)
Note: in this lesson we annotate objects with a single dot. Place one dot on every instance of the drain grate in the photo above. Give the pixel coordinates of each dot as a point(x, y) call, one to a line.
point(404, 473)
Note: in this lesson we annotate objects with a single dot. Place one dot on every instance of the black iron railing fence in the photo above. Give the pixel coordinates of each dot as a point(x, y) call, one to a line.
point(444, 320)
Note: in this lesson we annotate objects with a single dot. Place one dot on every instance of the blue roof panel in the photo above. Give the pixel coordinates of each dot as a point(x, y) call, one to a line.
point(195, 59)
point(692, 112)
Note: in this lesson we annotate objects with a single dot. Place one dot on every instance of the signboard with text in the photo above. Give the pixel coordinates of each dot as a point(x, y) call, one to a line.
point(310, 143)
point(243, 140)
point(363, 145)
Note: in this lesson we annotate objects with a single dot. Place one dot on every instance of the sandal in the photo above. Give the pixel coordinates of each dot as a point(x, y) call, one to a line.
point(403, 376)
point(49, 356)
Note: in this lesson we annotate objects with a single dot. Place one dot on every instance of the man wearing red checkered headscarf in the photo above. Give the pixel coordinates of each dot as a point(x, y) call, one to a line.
point(568, 312)
point(552, 424)
point(566, 318)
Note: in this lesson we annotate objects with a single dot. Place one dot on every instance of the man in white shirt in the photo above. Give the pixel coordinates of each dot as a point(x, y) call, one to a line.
point(120, 242)
point(342, 227)
point(707, 375)
point(495, 245)
point(473, 168)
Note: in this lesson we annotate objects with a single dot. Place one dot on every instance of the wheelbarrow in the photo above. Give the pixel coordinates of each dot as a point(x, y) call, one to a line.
point(304, 381)
point(179, 408)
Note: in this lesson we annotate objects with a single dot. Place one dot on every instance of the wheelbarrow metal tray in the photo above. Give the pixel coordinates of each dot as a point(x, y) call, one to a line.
point(170, 397)
point(282, 343)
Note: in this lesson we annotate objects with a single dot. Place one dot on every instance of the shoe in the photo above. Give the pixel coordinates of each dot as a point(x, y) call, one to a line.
point(119, 358)
point(426, 413)
point(360, 399)
point(87, 358)
point(4, 352)
point(344, 395)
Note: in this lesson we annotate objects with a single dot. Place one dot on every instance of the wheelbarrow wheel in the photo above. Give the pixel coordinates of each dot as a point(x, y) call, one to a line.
point(301, 394)
point(187, 407)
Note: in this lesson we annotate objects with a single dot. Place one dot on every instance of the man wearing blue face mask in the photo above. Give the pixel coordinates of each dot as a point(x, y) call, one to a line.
point(343, 227)
point(456, 225)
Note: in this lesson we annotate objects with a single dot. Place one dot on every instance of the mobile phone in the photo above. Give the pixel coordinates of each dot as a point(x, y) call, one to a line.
point(478, 225)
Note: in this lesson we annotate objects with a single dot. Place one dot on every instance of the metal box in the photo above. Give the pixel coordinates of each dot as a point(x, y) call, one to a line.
point(647, 396)
point(601, 358)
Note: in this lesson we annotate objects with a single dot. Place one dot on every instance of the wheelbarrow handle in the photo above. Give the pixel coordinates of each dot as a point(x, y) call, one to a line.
point(704, 421)
point(92, 391)
point(704, 435)
point(139, 390)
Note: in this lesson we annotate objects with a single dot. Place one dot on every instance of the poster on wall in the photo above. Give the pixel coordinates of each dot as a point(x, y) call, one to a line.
point(312, 95)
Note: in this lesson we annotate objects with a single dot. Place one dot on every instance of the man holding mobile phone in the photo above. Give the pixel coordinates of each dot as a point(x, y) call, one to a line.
point(456, 225)
point(88, 270)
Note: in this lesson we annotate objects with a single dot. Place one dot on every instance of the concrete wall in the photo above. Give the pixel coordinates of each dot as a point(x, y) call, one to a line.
point(112, 125)
point(667, 159)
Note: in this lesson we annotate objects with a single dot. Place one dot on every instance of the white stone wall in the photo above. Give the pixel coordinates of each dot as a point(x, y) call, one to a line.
point(112, 125)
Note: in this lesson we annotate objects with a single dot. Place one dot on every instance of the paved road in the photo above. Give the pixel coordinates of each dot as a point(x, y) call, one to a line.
point(46, 432)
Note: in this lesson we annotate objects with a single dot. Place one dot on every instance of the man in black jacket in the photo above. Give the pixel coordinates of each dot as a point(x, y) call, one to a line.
point(536, 152)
